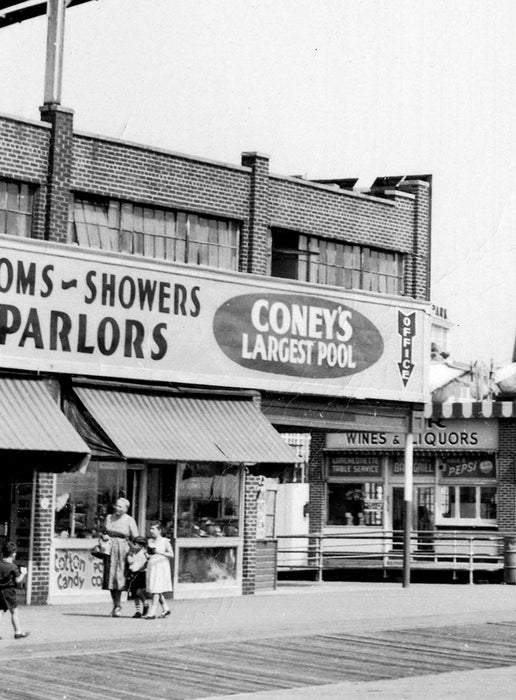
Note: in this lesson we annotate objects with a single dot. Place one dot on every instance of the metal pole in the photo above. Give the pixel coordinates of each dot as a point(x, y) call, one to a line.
point(55, 46)
point(407, 507)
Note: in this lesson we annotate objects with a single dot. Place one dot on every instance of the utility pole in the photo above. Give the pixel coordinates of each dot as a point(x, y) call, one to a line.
point(55, 47)
point(407, 505)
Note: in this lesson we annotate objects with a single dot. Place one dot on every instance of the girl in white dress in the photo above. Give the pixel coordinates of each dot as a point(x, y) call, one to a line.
point(159, 578)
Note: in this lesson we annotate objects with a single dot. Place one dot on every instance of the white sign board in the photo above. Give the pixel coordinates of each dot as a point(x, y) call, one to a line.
point(474, 435)
point(70, 310)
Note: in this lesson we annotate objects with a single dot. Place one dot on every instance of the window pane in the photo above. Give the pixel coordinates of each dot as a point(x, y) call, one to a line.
point(448, 501)
point(3, 194)
point(206, 565)
point(16, 201)
point(355, 504)
point(488, 502)
point(12, 196)
point(467, 502)
point(208, 501)
point(83, 500)
point(159, 232)
point(156, 233)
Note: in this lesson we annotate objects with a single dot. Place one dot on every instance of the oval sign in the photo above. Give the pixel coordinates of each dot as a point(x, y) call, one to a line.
point(296, 335)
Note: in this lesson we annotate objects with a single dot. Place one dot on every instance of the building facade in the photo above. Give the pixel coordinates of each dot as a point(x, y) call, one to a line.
point(164, 319)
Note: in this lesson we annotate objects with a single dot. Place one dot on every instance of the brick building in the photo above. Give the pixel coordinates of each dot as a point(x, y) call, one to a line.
point(166, 318)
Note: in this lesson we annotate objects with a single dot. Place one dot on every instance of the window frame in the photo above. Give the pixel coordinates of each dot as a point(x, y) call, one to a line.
point(333, 262)
point(12, 214)
point(155, 232)
point(361, 482)
point(455, 519)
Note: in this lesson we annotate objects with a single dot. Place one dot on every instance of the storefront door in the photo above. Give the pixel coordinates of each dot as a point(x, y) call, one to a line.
point(15, 516)
point(397, 516)
point(424, 501)
point(424, 515)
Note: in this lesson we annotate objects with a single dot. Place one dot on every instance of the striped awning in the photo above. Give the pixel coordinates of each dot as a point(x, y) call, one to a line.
point(167, 427)
point(471, 409)
point(31, 421)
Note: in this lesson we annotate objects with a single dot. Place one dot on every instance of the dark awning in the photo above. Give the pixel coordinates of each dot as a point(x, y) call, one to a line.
point(32, 422)
point(167, 427)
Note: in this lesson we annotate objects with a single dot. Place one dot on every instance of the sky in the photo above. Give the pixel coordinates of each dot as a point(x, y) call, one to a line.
point(329, 89)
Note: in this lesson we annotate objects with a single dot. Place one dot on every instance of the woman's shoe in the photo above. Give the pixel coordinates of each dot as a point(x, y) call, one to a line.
point(165, 613)
point(145, 611)
point(149, 617)
point(116, 611)
point(21, 635)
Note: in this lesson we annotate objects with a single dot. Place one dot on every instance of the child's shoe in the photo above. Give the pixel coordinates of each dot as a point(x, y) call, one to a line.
point(21, 635)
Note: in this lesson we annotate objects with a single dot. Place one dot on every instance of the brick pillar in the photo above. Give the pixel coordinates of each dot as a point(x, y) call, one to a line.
point(259, 237)
point(253, 487)
point(317, 506)
point(419, 267)
point(59, 171)
point(506, 465)
point(42, 538)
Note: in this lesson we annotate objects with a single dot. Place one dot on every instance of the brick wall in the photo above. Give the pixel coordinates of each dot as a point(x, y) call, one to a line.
point(507, 475)
point(24, 156)
point(135, 173)
point(253, 486)
point(397, 220)
point(418, 272)
point(259, 237)
point(317, 504)
point(42, 528)
point(59, 171)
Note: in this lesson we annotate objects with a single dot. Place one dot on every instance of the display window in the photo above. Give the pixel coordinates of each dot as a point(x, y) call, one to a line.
point(161, 497)
point(468, 491)
point(468, 504)
point(355, 503)
point(208, 501)
point(83, 500)
point(207, 564)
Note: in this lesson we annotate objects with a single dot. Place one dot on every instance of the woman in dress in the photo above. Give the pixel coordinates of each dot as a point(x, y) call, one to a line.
point(159, 578)
point(121, 528)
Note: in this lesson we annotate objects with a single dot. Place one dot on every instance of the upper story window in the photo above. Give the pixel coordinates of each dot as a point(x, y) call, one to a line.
point(155, 233)
point(323, 261)
point(16, 202)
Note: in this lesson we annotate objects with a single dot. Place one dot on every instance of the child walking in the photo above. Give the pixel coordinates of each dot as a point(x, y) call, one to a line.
point(10, 576)
point(136, 580)
point(159, 579)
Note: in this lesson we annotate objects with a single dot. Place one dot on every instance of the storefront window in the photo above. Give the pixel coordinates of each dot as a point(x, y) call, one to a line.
point(467, 502)
point(84, 500)
point(207, 565)
point(161, 482)
point(208, 501)
point(488, 502)
point(355, 504)
point(471, 503)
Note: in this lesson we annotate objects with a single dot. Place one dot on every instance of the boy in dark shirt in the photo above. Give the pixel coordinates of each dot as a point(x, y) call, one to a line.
point(10, 575)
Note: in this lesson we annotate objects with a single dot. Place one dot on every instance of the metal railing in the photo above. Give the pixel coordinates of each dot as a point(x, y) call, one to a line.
point(448, 550)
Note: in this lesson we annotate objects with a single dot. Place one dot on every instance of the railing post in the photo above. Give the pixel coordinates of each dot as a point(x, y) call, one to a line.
point(471, 558)
point(320, 559)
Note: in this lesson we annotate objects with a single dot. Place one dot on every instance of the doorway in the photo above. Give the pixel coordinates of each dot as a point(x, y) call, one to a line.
point(423, 518)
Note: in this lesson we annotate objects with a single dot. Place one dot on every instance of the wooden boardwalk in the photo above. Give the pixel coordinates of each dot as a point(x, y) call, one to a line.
point(165, 672)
